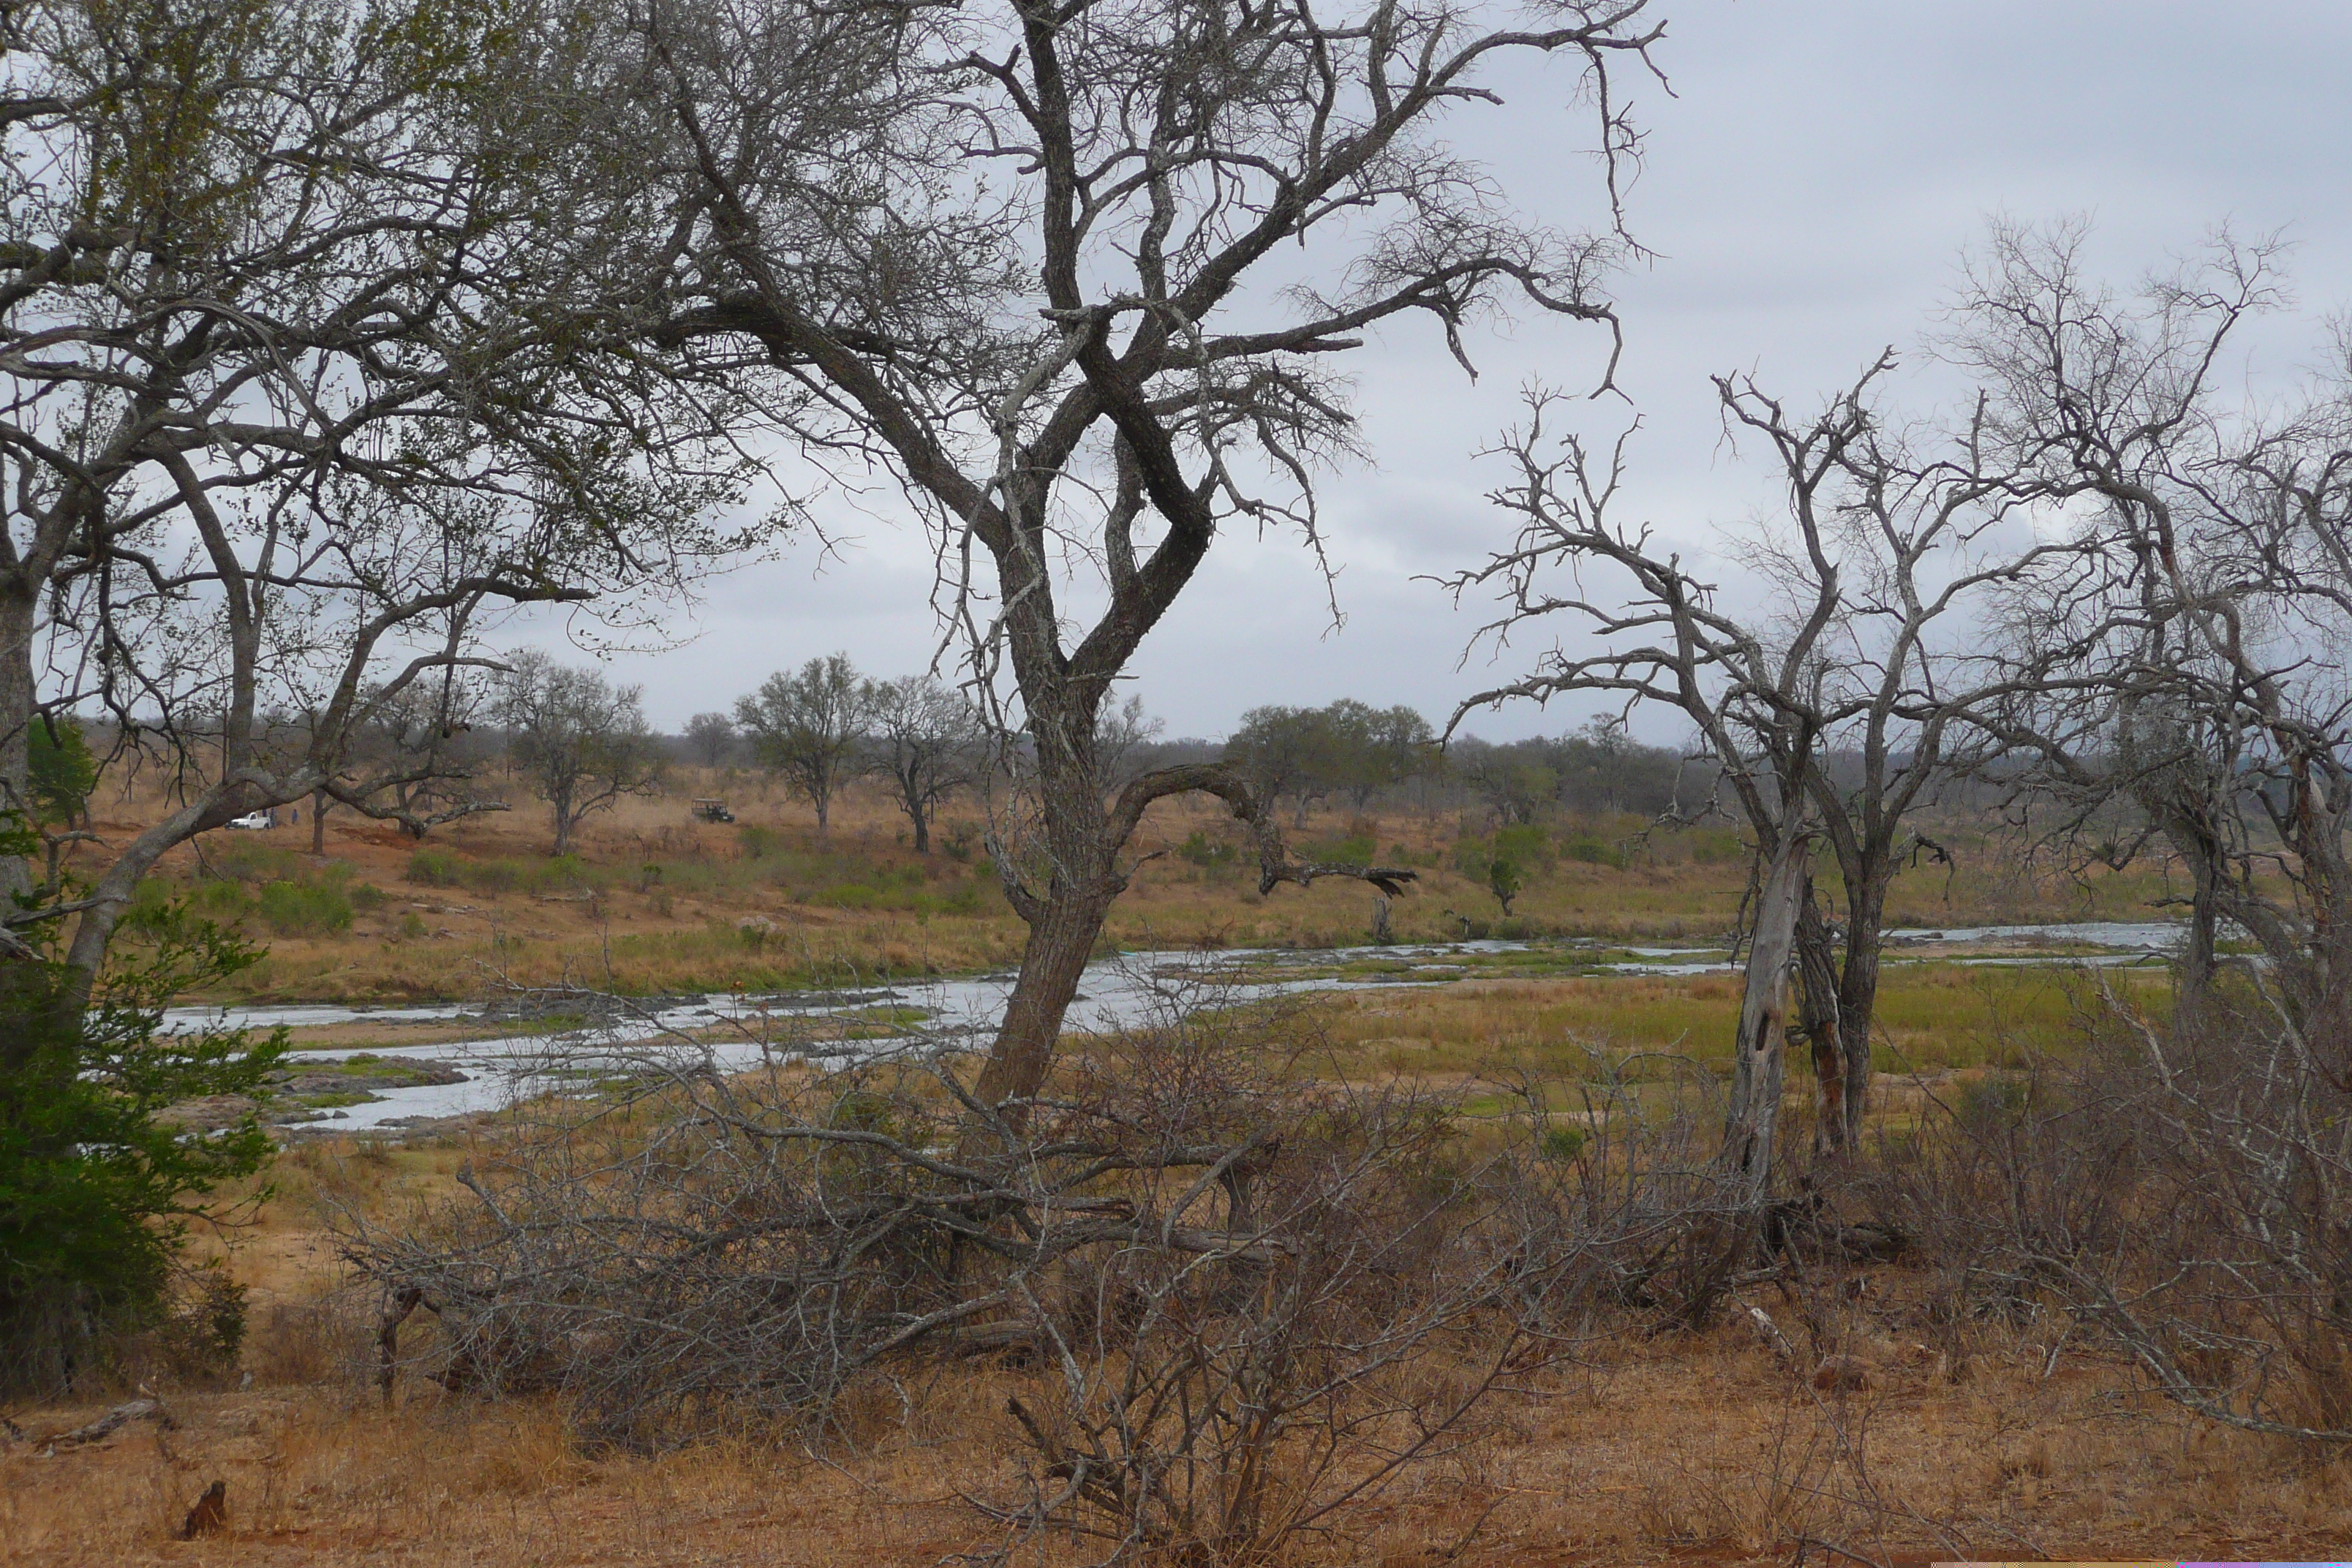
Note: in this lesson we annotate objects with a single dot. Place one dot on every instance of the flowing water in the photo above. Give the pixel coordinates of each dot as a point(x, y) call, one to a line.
point(1114, 992)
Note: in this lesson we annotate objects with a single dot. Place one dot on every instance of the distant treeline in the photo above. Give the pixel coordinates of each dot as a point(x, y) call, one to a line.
point(1347, 754)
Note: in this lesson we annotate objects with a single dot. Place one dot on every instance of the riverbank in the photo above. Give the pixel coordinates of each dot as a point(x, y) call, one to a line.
point(652, 903)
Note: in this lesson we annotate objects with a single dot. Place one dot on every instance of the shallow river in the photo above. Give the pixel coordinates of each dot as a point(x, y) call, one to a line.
point(1130, 989)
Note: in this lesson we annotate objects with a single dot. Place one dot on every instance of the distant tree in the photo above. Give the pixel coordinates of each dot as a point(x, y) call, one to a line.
point(1505, 881)
point(809, 727)
point(410, 757)
point(1517, 782)
point(581, 740)
point(1287, 751)
point(926, 740)
point(1602, 768)
point(1375, 749)
point(711, 737)
point(1311, 753)
point(1123, 738)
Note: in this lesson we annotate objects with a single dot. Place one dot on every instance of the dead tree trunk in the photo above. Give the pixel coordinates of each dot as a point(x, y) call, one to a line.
point(1817, 998)
point(1754, 1115)
point(1857, 1000)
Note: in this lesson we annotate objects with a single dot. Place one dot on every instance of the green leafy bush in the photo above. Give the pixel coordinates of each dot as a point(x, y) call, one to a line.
point(151, 907)
point(433, 869)
point(305, 908)
point(1504, 880)
point(220, 902)
point(1591, 850)
point(1563, 1143)
point(245, 858)
point(965, 898)
point(1714, 846)
point(758, 842)
point(97, 1186)
point(1355, 849)
point(560, 874)
point(490, 876)
point(1208, 854)
point(1524, 844)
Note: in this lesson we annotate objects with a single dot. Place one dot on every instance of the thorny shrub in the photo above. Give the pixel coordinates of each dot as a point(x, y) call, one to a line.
point(1234, 1294)
point(2178, 1190)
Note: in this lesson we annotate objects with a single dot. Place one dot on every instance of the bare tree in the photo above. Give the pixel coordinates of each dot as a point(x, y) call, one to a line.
point(409, 758)
point(711, 736)
point(277, 438)
point(2178, 1187)
point(1120, 735)
point(2189, 669)
point(808, 727)
point(1516, 781)
point(582, 739)
point(1026, 259)
point(928, 740)
point(1863, 645)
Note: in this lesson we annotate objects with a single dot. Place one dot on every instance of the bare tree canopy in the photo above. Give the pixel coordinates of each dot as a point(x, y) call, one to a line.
point(1039, 263)
point(928, 741)
point(285, 421)
point(2184, 677)
point(808, 727)
point(581, 740)
point(711, 737)
point(1856, 631)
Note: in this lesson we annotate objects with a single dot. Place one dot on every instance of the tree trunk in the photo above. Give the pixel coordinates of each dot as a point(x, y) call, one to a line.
point(1865, 933)
point(1754, 1115)
point(1817, 1000)
point(921, 819)
point(2201, 955)
point(2186, 829)
point(1061, 939)
point(317, 822)
point(17, 620)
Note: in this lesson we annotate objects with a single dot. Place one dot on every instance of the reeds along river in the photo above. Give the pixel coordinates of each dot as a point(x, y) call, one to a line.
point(728, 1031)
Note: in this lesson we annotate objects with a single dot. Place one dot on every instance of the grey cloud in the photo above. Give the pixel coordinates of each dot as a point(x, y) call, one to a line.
point(1809, 190)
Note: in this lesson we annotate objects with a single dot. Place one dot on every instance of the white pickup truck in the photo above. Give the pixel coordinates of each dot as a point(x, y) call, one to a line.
point(252, 821)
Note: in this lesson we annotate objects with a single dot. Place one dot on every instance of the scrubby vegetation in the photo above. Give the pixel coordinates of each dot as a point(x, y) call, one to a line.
point(99, 1185)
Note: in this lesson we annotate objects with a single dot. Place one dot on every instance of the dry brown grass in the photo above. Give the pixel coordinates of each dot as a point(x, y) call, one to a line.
point(1700, 1448)
point(1683, 1449)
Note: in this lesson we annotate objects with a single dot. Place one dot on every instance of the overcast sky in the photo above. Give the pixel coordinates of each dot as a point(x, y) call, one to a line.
point(1809, 188)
